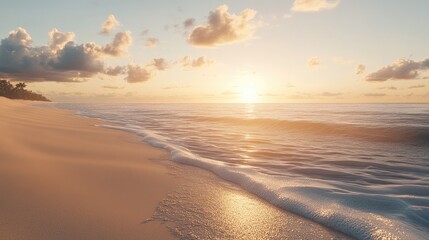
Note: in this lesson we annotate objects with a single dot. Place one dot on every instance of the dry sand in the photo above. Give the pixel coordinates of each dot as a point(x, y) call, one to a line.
point(61, 177)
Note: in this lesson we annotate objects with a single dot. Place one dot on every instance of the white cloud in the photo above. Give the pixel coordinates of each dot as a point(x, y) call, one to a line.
point(137, 73)
point(313, 62)
point(119, 45)
point(223, 27)
point(188, 23)
point(360, 69)
point(142, 73)
point(62, 60)
point(402, 69)
point(160, 64)
point(108, 25)
point(57, 39)
point(198, 62)
point(314, 5)
point(417, 86)
point(115, 71)
point(151, 42)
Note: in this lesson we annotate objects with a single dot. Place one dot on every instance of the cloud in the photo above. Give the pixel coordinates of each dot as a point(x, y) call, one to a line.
point(110, 23)
point(316, 95)
point(314, 5)
point(160, 64)
point(188, 23)
point(144, 32)
point(57, 39)
point(229, 93)
point(301, 95)
point(360, 69)
point(330, 94)
point(81, 58)
point(175, 87)
point(402, 69)
point(111, 87)
point(199, 62)
point(62, 60)
point(19, 60)
point(115, 71)
point(20, 37)
point(119, 45)
point(138, 73)
point(313, 62)
point(388, 88)
point(223, 27)
point(416, 86)
point(151, 42)
point(375, 95)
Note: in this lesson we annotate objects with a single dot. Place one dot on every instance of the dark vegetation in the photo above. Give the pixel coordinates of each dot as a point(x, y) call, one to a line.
point(19, 92)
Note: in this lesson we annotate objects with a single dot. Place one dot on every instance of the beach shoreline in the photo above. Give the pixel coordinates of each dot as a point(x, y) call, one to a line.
point(61, 177)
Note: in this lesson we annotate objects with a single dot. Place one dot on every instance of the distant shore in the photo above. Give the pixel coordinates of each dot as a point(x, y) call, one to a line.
point(61, 177)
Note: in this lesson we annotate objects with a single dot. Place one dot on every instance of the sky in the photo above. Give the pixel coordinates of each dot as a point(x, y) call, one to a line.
point(327, 51)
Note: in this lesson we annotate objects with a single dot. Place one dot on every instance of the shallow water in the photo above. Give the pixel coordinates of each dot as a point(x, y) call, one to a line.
point(361, 169)
point(202, 207)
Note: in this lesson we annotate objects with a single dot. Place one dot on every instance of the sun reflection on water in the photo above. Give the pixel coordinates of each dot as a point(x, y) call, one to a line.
point(247, 149)
point(249, 109)
point(205, 208)
point(245, 214)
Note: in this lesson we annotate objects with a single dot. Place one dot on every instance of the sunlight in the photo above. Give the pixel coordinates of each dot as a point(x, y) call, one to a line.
point(248, 94)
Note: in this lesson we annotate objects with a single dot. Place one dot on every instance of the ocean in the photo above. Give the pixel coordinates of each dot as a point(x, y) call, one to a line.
point(361, 169)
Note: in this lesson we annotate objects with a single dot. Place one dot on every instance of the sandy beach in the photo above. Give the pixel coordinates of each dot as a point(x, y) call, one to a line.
point(61, 177)
point(213, 120)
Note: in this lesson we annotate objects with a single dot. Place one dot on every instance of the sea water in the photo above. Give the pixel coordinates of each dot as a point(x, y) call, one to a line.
point(362, 169)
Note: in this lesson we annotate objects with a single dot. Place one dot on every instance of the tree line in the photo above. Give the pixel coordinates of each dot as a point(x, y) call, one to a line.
point(18, 91)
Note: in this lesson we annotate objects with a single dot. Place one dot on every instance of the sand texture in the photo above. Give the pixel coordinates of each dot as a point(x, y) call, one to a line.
point(63, 178)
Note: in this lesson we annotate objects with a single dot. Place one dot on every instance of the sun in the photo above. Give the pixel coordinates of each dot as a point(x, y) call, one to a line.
point(248, 94)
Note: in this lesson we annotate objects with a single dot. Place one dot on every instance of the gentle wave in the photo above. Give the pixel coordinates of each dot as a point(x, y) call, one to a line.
point(410, 134)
